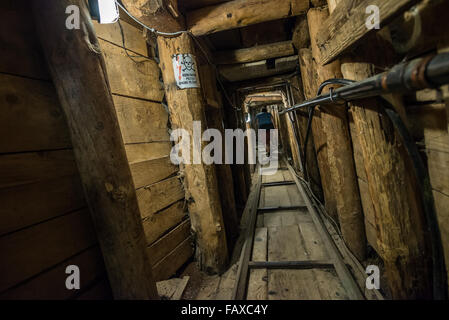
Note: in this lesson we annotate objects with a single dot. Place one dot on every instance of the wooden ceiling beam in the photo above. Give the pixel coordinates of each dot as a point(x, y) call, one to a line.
point(267, 99)
point(162, 15)
point(256, 53)
point(241, 13)
point(346, 25)
point(258, 69)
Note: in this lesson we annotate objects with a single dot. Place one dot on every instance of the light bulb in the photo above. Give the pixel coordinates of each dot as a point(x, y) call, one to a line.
point(107, 11)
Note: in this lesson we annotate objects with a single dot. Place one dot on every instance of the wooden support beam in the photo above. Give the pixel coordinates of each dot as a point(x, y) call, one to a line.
point(186, 106)
point(262, 94)
point(346, 26)
point(301, 37)
point(264, 98)
point(339, 148)
point(309, 79)
point(232, 117)
point(292, 139)
point(79, 76)
point(214, 117)
point(301, 124)
point(256, 53)
point(258, 69)
point(392, 186)
point(162, 15)
point(241, 13)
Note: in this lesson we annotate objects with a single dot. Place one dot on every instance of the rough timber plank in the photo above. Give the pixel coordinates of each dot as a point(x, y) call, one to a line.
point(257, 284)
point(28, 204)
point(157, 196)
point(147, 151)
point(20, 50)
point(32, 118)
point(140, 120)
point(23, 168)
point(50, 285)
point(294, 196)
point(34, 249)
point(346, 26)
point(227, 283)
point(312, 241)
point(159, 249)
point(277, 196)
point(128, 78)
point(151, 171)
point(174, 260)
point(156, 224)
point(285, 244)
point(240, 13)
point(134, 39)
point(329, 286)
point(260, 52)
point(292, 285)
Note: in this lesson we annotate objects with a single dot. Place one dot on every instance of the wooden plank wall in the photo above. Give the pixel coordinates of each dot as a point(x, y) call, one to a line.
point(144, 122)
point(44, 222)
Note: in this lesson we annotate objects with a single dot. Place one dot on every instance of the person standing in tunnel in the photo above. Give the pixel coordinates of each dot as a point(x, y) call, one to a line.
point(264, 120)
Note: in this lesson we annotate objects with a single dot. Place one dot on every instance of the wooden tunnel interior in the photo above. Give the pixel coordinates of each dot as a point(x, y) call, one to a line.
point(86, 173)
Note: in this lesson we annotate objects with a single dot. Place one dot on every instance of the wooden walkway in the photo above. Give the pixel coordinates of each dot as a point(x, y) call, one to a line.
point(289, 255)
point(289, 235)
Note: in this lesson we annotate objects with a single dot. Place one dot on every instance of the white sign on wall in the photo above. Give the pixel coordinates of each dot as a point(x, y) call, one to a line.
point(185, 69)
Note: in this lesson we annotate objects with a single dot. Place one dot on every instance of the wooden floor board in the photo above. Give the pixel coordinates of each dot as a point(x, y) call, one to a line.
point(285, 244)
point(329, 285)
point(257, 284)
point(288, 235)
point(294, 196)
point(292, 285)
point(312, 242)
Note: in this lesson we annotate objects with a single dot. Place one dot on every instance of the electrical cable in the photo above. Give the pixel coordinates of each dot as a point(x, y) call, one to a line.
point(124, 46)
point(312, 110)
point(425, 188)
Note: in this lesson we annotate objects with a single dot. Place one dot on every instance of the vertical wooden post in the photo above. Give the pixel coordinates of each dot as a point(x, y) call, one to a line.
point(340, 155)
point(79, 75)
point(289, 137)
point(214, 115)
point(301, 124)
point(241, 194)
point(309, 80)
point(398, 212)
point(186, 106)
